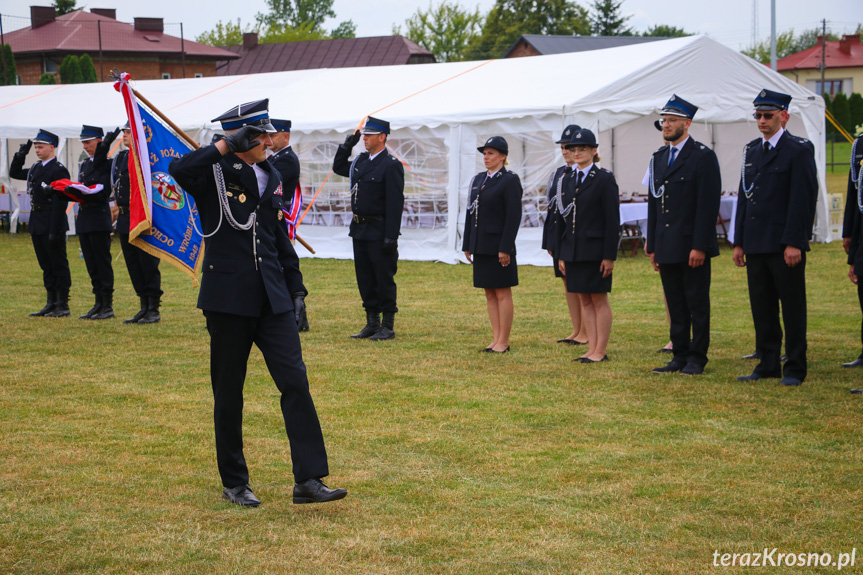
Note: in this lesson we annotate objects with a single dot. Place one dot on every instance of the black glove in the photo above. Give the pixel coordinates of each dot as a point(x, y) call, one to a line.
point(391, 246)
point(352, 140)
point(299, 305)
point(109, 139)
point(242, 139)
point(25, 147)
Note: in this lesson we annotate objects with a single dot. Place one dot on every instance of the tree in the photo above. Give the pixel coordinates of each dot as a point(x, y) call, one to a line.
point(444, 30)
point(346, 29)
point(664, 31)
point(70, 70)
point(10, 68)
point(606, 20)
point(509, 19)
point(292, 34)
point(786, 44)
point(309, 14)
point(227, 34)
point(855, 104)
point(88, 70)
point(47, 79)
point(841, 111)
point(64, 6)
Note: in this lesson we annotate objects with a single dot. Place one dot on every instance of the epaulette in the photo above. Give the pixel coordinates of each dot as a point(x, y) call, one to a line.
point(702, 147)
point(606, 171)
point(660, 149)
point(801, 140)
point(393, 158)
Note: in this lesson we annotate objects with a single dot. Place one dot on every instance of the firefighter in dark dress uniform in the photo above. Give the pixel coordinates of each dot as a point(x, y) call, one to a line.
point(852, 228)
point(143, 268)
point(48, 223)
point(775, 214)
point(285, 160)
point(94, 224)
point(377, 201)
point(683, 205)
point(251, 292)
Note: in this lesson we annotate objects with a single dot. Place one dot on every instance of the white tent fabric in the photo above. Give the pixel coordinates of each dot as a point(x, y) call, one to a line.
point(441, 112)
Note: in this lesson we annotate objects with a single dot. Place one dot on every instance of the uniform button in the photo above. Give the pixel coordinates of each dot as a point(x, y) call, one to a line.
point(211, 267)
point(257, 224)
point(259, 241)
point(667, 225)
point(257, 208)
point(665, 182)
point(260, 259)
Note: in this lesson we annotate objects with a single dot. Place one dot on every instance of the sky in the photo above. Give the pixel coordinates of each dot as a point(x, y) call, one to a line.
point(727, 21)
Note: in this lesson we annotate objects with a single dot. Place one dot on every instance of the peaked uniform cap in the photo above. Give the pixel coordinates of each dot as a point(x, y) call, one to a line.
point(677, 106)
point(46, 137)
point(495, 143)
point(770, 100)
point(376, 126)
point(281, 125)
point(567, 133)
point(249, 114)
point(91, 133)
point(583, 138)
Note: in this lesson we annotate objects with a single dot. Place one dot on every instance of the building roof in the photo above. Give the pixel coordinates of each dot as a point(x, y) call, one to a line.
point(550, 44)
point(844, 53)
point(78, 32)
point(313, 54)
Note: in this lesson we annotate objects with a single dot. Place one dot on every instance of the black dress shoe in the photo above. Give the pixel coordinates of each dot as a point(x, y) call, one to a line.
point(572, 342)
point(791, 381)
point(665, 350)
point(857, 391)
point(672, 367)
point(588, 360)
point(856, 363)
point(241, 495)
point(754, 355)
point(755, 376)
point(692, 368)
point(485, 350)
point(314, 491)
point(496, 351)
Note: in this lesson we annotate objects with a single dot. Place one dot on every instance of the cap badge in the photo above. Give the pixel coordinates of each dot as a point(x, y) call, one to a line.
point(763, 93)
point(673, 97)
point(578, 136)
point(566, 133)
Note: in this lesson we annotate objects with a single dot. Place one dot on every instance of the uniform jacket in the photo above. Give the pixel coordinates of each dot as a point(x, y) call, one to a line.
point(596, 233)
point(231, 283)
point(48, 215)
point(853, 225)
point(288, 165)
point(379, 194)
point(685, 218)
point(94, 213)
point(781, 208)
point(121, 189)
point(548, 234)
point(492, 226)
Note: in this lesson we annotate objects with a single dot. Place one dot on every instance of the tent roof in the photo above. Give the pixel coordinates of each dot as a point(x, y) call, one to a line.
point(613, 86)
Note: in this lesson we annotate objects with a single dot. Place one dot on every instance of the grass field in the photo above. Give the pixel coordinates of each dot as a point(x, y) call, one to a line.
point(455, 461)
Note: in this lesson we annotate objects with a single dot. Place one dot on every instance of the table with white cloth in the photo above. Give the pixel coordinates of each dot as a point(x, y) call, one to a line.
point(635, 214)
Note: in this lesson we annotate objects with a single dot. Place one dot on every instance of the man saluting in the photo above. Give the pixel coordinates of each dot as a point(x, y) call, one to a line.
point(251, 292)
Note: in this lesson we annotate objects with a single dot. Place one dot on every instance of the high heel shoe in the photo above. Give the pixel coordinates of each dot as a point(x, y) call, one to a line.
point(588, 360)
point(503, 351)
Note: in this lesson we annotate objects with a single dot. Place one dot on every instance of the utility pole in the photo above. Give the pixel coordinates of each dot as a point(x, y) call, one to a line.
point(773, 35)
point(823, 54)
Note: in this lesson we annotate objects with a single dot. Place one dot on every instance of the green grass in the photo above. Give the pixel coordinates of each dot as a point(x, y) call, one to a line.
point(455, 461)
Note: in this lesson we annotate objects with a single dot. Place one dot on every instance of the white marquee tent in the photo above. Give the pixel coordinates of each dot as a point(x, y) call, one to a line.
point(441, 112)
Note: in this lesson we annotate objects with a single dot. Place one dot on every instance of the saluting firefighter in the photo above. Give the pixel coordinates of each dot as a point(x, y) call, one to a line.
point(377, 181)
point(94, 225)
point(48, 223)
point(775, 214)
point(143, 268)
point(853, 228)
point(285, 160)
point(682, 208)
point(553, 189)
point(251, 293)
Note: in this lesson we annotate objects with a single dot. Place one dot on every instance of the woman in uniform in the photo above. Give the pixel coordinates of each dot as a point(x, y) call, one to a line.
point(555, 183)
point(587, 228)
point(493, 218)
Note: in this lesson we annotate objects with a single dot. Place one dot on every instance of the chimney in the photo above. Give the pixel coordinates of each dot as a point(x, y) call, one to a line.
point(41, 15)
point(846, 42)
point(250, 40)
point(106, 12)
point(149, 24)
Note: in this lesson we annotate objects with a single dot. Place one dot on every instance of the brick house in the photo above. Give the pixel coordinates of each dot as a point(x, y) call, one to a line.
point(843, 70)
point(143, 49)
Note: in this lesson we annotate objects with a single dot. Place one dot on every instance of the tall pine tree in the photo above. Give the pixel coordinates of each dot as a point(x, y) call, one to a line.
point(606, 19)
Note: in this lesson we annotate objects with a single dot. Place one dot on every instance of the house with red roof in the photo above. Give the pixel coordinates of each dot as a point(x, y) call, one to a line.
point(143, 49)
point(843, 66)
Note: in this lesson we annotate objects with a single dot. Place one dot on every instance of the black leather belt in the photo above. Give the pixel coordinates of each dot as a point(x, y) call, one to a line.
point(38, 208)
point(364, 219)
point(86, 206)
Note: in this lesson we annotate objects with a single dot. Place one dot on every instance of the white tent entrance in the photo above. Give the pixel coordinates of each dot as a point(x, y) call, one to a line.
point(441, 112)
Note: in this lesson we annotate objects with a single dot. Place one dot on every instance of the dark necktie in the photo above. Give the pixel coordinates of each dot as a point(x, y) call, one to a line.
point(672, 155)
point(579, 179)
point(766, 147)
point(567, 170)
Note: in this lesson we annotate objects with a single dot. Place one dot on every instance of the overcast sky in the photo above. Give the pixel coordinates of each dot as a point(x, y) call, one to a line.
point(727, 21)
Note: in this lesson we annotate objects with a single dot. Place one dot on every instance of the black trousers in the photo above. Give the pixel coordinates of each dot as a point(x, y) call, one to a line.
point(96, 247)
point(143, 269)
point(276, 335)
point(772, 282)
point(860, 299)
point(376, 272)
point(687, 292)
point(51, 255)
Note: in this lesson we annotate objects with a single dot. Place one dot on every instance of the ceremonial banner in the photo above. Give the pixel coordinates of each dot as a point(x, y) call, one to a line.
point(293, 211)
point(163, 218)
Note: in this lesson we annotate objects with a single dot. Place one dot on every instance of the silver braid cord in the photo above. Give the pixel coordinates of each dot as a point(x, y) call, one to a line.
point(653, 191)
point(854, 157)
point(564, 211)
point(747, 191)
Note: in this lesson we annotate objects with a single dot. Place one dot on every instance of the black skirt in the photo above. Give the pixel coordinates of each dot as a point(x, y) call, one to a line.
point(557, 273)
point(489, 274)
point(585, 277)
